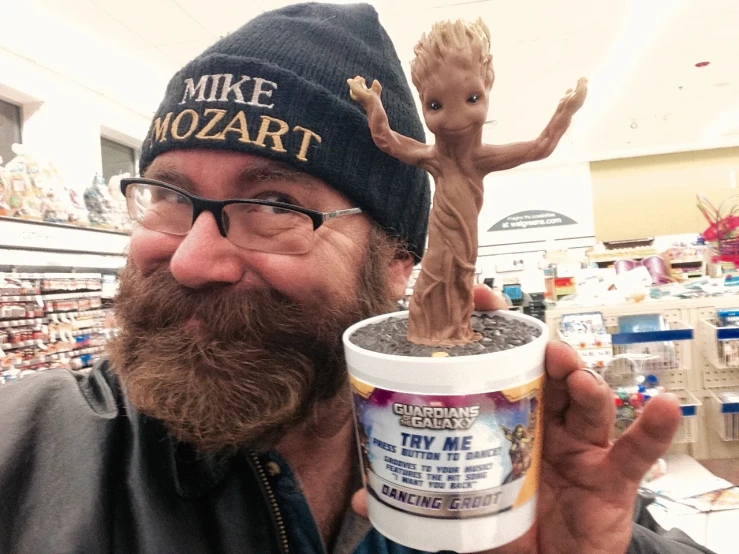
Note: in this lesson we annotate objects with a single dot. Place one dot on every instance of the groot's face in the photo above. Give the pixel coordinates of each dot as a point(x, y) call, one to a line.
point(455, 99)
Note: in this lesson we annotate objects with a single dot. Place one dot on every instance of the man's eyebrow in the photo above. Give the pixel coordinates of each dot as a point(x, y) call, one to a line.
point(250, 176)
point(274, 172)
point(170, 176)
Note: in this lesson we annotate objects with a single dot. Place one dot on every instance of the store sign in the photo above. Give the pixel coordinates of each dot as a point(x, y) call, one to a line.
point(529, 219)
point(530, 207)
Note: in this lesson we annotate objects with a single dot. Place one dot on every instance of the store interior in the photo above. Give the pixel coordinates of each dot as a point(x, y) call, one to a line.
point(625, 240)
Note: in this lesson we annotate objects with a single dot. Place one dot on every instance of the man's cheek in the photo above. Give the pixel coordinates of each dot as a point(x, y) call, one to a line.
point(148, 250)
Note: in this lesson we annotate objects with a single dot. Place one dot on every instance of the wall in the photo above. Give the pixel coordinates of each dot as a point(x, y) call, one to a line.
point(73, 90)
point(656, 195)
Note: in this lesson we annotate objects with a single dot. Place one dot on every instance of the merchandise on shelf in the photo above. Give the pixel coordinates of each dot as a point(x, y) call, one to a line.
point(119, 211)
point(50, 320)
point(632, 357)
point(5, 191)
point(630, 400)
point(99, 202)
point(727, 414)
point(36, 190)
point(654, 356)
point(31, 188)
point(587, 333)
point(728, 349)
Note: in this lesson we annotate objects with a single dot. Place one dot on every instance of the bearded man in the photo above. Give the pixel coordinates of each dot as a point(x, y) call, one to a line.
point(268, 222)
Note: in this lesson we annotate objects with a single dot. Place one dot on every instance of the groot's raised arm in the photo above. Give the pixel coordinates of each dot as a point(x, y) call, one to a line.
point(399, 146)
point(497, 158)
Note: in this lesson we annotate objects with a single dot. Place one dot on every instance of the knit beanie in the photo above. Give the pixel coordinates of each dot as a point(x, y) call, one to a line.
point(277, 87)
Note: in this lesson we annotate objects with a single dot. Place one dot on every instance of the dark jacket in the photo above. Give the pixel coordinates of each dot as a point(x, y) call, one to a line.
point(82, 472)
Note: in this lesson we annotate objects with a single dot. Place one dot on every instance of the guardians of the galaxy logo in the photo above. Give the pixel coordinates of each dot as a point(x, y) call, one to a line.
point(433, 417)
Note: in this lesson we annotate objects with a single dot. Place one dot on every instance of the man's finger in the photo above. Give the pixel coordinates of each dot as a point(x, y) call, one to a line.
point(648, 438)
point(359, 503)
point(562, 360)
point(487, 300)
point(590, 413)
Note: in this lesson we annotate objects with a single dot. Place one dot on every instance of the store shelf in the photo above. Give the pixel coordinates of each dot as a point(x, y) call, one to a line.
point(28, 233)
point(58, 356)
point(721, 344)
point(725, 405)
point(687, 432)
point(66, 333)
point(701, 434)
point(23, 344)
point(22, 322)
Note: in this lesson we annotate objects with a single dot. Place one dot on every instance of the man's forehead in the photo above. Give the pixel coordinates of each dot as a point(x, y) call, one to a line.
point(190, 161)
point(189, 168)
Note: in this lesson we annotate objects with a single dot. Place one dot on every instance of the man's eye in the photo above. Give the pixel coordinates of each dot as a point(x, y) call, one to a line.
point(473, 99)
point(170, 197)
point(274, 196)
point(434, 105)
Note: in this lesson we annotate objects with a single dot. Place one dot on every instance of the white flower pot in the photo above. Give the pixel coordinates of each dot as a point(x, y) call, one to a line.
point(444, 464)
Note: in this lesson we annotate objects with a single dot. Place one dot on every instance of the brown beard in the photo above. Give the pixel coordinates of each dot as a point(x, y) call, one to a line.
point(255, 365)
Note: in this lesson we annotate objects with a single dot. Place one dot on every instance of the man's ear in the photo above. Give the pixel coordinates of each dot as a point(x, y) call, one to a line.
point(399, 271)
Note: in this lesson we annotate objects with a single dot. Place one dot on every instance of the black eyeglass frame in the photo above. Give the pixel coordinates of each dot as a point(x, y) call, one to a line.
point(200, 205)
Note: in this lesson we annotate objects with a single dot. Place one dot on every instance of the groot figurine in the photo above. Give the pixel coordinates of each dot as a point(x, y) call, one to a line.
point(453, 73)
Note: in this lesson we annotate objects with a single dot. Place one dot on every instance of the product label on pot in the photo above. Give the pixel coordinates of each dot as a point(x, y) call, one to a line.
point(450, 457)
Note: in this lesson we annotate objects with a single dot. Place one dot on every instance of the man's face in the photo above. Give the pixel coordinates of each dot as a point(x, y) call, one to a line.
point(229, 346)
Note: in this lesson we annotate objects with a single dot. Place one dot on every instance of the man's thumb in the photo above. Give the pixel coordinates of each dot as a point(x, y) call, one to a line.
point(359, 503)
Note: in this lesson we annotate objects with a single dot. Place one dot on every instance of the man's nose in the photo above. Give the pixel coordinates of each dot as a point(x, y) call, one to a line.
point(204, 257)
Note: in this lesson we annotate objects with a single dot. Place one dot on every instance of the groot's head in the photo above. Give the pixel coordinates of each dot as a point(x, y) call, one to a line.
point(453, 72)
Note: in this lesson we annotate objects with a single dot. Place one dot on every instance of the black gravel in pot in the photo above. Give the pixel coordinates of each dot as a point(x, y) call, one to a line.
point(498, 334)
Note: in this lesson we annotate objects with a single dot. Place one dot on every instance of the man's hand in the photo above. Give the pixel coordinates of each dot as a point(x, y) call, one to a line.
point(588, 484)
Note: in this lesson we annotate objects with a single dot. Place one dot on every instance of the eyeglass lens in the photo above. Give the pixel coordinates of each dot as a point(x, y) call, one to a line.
point(253, 226)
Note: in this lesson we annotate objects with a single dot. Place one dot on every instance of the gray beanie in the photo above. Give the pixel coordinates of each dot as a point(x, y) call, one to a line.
point(277, 87)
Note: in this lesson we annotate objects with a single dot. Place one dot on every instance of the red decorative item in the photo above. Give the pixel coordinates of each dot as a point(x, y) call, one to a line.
point(723, 229)
point(702, 64)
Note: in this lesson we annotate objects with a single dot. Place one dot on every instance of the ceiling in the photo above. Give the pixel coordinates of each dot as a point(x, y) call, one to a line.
point(646, 94)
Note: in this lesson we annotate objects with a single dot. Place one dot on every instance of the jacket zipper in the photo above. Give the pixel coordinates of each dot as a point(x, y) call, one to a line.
point(275, 509)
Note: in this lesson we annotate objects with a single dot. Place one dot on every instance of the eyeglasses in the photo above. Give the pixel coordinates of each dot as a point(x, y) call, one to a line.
point(260, 225)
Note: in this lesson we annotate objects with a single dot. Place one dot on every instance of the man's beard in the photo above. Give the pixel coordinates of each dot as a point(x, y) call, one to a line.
point(221, 368)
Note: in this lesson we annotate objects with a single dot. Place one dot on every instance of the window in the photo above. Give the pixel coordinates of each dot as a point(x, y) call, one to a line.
point(117, 159)
point(10, 129)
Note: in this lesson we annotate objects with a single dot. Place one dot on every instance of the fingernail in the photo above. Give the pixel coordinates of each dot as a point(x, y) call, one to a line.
point(562, 341)
point(573, 349)
point(594, 373)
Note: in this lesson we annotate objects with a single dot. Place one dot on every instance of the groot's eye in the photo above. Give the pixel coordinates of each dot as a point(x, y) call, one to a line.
point(473, 99)
point(434, 105)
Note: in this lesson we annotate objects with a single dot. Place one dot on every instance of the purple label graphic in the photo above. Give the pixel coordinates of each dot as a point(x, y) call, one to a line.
point(448, 456)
